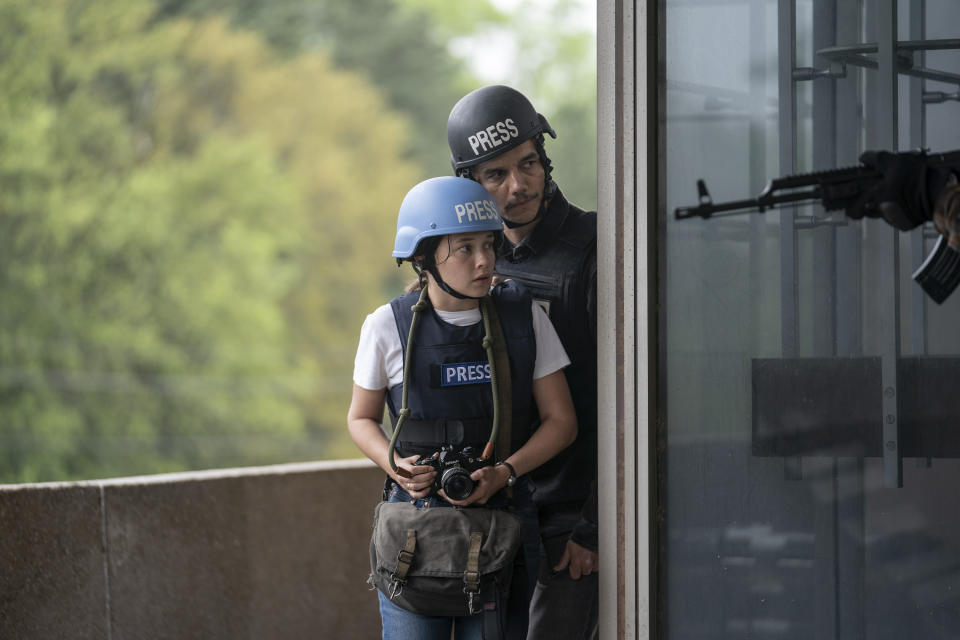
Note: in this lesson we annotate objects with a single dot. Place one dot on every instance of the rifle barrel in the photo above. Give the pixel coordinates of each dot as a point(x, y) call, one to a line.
point(767, 201)
point(834, 186)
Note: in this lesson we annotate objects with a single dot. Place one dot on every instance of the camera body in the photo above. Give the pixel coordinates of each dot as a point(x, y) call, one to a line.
point(453, 467)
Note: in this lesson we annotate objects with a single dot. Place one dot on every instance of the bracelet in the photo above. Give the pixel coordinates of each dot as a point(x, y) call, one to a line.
point(513, 472)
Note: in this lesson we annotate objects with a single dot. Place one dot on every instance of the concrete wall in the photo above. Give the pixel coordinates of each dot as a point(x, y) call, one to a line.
point(269, 552)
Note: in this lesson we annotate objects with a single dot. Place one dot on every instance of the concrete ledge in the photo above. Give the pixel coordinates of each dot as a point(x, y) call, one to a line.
point(265, 552)
point(52, 579)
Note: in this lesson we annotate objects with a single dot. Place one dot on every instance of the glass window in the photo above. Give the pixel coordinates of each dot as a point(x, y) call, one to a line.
point(810, 419)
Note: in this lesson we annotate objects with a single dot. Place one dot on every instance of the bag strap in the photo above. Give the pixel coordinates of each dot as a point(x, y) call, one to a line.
point(471, 577)
point(492, 627)
point(492, 620)
point(404, 562)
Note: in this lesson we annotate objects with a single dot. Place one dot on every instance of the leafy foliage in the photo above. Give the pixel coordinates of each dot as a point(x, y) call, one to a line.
point(171, 231)
point(198, 206)
point(553, 62)
point(397, 45)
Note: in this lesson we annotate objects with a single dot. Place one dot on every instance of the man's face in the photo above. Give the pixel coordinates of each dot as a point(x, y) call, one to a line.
point(516, 181)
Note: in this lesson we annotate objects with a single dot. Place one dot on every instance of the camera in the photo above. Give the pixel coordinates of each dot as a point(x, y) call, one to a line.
point(453, 467)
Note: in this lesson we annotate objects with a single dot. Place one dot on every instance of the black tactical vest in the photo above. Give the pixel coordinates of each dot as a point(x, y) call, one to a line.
point(449, 393)
point(557, 264)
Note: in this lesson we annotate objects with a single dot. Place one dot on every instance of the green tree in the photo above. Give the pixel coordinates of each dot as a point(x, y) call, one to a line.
point(346, 155)
point(399, 45)
point(178, 239)
point(551, 58)
point(420, 54)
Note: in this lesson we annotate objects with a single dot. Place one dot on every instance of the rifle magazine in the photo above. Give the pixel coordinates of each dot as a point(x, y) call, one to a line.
point(939, 274)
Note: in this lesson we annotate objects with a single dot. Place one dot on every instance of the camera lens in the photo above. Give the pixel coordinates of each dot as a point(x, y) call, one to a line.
point(456, 483)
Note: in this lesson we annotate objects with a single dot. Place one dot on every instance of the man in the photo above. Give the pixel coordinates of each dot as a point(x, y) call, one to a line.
point(915, 190)
point(496, 137)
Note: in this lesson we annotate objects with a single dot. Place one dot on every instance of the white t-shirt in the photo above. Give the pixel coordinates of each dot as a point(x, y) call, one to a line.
point(379, 361)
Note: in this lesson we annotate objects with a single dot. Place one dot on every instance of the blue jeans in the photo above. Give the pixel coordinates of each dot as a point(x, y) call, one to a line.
point(400, 624)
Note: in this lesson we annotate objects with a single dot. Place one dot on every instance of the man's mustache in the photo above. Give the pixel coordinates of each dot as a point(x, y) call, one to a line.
point(523, 198)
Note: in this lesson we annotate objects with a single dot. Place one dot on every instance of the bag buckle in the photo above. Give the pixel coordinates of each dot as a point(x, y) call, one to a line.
point(471, 581)
point(471, 587)
point(404, 557)
point(404, 561)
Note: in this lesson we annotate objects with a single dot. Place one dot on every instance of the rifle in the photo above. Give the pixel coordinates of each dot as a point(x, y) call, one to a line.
point(836, 189)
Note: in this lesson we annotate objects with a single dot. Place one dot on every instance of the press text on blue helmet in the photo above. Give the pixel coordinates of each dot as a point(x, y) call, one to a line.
point(476, 211)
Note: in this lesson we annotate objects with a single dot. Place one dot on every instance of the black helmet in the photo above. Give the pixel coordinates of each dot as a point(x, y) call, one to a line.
point(489, 121)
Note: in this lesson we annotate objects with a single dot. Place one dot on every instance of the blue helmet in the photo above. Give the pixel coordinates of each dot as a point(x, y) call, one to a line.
point(441, 206)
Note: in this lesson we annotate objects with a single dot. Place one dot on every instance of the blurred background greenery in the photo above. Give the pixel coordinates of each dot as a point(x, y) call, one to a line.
point(198, 201)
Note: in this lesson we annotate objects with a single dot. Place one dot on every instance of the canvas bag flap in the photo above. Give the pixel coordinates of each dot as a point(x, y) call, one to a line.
point(443, 537)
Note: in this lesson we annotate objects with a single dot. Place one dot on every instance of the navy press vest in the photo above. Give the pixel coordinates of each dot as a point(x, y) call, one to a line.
point(448, 392)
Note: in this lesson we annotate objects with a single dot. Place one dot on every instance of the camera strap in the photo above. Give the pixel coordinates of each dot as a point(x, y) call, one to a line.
point(417, 308)
point(496, 345)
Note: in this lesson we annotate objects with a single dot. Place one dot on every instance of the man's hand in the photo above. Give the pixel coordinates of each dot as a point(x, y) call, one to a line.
point(580, 560)
point(906, 194)
point(946, 215)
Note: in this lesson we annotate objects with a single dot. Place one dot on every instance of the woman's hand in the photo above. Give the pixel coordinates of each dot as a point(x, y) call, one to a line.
point(417, 480)
point(488, 480)
point(363, 421)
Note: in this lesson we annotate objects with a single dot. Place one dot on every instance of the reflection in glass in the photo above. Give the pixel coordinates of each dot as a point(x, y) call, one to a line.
point(791, 338)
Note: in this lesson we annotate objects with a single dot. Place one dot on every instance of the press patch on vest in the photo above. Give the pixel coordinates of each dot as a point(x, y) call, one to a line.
point(454, 374)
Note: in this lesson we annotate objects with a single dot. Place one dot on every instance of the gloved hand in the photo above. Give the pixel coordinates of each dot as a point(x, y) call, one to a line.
point(906, 195)
point(946, 214)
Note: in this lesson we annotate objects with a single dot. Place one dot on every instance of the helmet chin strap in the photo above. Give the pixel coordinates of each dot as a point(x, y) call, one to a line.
point(432, 270)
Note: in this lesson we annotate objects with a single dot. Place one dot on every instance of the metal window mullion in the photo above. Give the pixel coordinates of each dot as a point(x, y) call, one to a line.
point(787, 45)
point(849, 481)
point(824, 157)
point(848, 247)
point(758, 42)
point(889, 325)
point(918, 301)
point(789, 317)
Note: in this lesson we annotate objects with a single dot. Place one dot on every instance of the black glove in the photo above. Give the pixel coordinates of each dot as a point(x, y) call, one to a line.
point(907, 192)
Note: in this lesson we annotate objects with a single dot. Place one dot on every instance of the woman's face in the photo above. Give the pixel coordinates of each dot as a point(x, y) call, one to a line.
point(465, 262)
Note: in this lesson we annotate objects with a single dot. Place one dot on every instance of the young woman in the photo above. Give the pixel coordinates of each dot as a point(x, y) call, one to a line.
point(447, 228)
